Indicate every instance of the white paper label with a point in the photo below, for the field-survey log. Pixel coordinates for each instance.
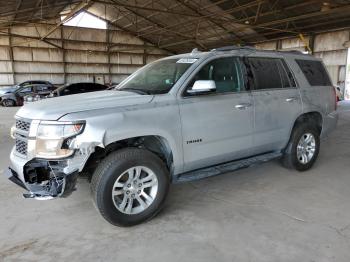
(186, 60)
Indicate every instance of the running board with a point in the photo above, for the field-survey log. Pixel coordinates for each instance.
(225, 168)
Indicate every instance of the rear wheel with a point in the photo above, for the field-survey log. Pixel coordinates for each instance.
(130, 186)
(303, 147)
(8, 102)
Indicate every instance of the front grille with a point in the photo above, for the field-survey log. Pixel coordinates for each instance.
(22, 125)
(21, 146)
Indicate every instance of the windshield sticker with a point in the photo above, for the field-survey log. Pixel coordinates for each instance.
(186, 60)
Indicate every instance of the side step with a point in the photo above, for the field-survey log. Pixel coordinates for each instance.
(225, 168)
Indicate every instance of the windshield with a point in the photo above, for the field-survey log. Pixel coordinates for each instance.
(157, 78)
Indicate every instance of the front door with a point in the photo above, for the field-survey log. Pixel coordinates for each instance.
(217, 127)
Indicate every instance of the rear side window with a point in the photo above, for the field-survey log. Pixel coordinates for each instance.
(314, 72)
(265, 72)
(286, 75)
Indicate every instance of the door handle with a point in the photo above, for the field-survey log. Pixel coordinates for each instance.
(243, 106)
(291, 99)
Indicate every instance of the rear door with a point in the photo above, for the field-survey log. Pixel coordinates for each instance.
(217, 127)
(277, 102)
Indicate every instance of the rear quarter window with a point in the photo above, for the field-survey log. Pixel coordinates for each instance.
(314, 72)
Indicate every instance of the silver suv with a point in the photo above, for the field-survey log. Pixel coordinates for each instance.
(181, 118)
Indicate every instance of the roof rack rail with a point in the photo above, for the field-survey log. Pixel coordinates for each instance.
(233, 47)
(291, 51)
(195, 51)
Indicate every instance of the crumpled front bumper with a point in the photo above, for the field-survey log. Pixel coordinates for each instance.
(43, 179)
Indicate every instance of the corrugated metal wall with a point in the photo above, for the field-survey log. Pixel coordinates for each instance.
(328, 46)
(74, 55)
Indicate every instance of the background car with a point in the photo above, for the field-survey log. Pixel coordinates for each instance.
(69, 89)
(7, 90)
(15, 95)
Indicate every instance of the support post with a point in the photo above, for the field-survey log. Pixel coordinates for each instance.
(13, 71)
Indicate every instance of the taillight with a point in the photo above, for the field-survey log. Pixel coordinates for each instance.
(335, 98)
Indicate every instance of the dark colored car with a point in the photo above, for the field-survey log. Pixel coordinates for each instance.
(78, 88)
(15, 96)
(69, 89)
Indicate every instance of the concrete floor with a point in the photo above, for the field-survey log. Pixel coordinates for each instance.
(264, 213)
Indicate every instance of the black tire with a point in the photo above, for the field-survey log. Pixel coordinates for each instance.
(290, 159)
(8, 102)
(111, 168)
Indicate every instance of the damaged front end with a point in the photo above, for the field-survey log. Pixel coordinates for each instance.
(45, 179)
(48, 157)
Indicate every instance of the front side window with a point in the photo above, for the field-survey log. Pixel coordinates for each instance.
(26, 90)
(158, 77)
(225, 72)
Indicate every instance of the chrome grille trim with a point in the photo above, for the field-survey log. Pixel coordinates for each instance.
(22, 125)
(21, 146)
(22, 134)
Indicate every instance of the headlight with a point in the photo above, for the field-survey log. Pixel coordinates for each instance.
(52, 136)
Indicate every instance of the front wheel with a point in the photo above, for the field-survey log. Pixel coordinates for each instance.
(303, 147)
(130, 186)
(8, 102)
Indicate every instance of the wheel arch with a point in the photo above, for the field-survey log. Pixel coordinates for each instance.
(157, 144)
(313, 116)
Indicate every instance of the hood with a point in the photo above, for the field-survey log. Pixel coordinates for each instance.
(5, 90)
(55, 108)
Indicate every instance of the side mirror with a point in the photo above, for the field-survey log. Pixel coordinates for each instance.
(202, 86)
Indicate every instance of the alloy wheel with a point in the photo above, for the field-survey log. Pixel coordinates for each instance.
(135, 190)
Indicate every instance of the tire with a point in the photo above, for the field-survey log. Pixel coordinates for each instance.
(294, 160)
(8, 102)
(109, 176)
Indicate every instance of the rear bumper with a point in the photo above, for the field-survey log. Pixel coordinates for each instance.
(329, 123)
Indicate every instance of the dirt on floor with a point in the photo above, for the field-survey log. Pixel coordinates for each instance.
(263, 213)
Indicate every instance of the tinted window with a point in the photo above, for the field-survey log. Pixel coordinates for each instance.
(286, 75)
(42, 88)
(73, 89)
(314, 72)
(96, 87)
(265, 72)
(226, 72)
(82, 88)
(27, 83)
(26, 90)
(39, 82)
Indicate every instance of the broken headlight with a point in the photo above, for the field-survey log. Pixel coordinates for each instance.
(51, 137)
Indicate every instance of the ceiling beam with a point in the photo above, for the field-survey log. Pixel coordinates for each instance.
(30, 37)
(342, 9)
(128, 31)
(266, 25)
(217, 15)
(72, 13)
(157, 24)
(144, 8)
(184, 3)
(33, 9)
